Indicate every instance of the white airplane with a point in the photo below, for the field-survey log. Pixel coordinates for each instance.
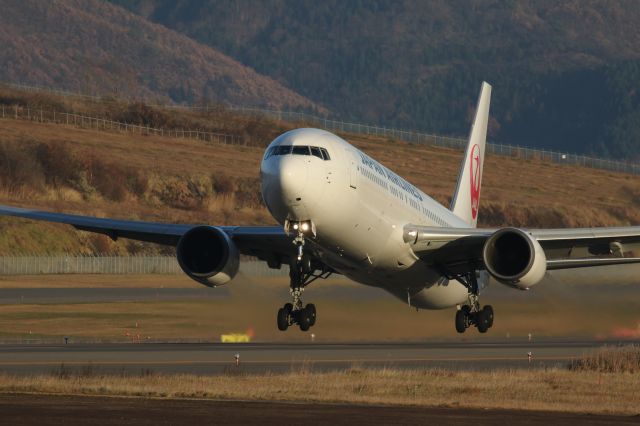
(342, 212)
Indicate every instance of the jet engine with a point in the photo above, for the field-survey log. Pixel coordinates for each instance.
(207, 255)
(514, 258)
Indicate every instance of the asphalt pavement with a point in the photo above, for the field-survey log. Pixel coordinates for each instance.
(217, 358)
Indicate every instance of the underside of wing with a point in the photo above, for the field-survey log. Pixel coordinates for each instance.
(269, 243)
(160, 233)
(455, 250)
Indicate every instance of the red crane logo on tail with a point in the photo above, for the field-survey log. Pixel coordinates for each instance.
(475, 180)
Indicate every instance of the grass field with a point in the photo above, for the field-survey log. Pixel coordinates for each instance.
(97, 281)
(591, 388)
(515, 192)
(346, 312)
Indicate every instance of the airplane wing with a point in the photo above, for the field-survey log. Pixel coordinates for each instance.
(457, 249)
(264, 242)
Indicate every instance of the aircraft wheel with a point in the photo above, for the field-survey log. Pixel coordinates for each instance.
(483, 320)
(311, 309)
(283, 319)
(461, 321)
(489, 313)
(304, 319)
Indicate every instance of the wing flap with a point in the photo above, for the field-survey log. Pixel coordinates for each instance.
(589, 262)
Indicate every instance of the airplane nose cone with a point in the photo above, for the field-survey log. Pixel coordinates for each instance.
(292, 176)
(284, 180)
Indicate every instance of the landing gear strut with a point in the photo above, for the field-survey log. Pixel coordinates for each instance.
(302, 272)
(472, 314)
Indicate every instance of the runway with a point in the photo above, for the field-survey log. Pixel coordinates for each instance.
(212, 359)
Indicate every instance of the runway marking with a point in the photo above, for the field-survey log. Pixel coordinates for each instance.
(336, 361)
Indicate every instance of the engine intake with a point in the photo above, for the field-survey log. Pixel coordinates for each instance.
(514, 258)
(207, 255)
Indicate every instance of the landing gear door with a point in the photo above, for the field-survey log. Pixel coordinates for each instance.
(353, 168)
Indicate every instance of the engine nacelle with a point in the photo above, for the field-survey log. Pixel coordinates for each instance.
(514, 258)
(207, 255)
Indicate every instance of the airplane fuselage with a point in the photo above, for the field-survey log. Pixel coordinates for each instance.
(358, 209)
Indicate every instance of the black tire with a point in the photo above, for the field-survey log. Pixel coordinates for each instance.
(461, 321)
(288, 307)
(283, 319)
(489, 313)
(304, 319)
(482, 320)
(311, 308)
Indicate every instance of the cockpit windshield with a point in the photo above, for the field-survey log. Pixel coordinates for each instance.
(298, 150)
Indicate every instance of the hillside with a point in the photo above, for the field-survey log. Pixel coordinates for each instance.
(96, 47)
(124, 175)
(566, 73)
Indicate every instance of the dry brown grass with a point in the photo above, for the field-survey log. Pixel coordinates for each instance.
(556, 390)
(517, 192)
(611, 360)
(184, 180)
(97, 281)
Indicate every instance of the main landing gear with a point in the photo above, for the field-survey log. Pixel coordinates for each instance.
(472, 314)
(302, 272)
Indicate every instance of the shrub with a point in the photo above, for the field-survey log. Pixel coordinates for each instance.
(259, 131)
(248, 192)
(186, 194)
(19, 166)
(60, 165)
(136, 182)
(222, 184)
(108, 179)
(101, 244)
(144, 115)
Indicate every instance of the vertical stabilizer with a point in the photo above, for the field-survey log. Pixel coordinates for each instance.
(466, 199)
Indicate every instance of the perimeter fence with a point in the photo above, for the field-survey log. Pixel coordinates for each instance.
(415, 137)
(410, 136)
(85, 122)
(114, 265)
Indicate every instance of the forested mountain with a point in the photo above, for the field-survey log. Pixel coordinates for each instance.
(96, 47)
(566, 73)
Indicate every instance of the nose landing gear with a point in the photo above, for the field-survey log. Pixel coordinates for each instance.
(302, 272)
(297, 312)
